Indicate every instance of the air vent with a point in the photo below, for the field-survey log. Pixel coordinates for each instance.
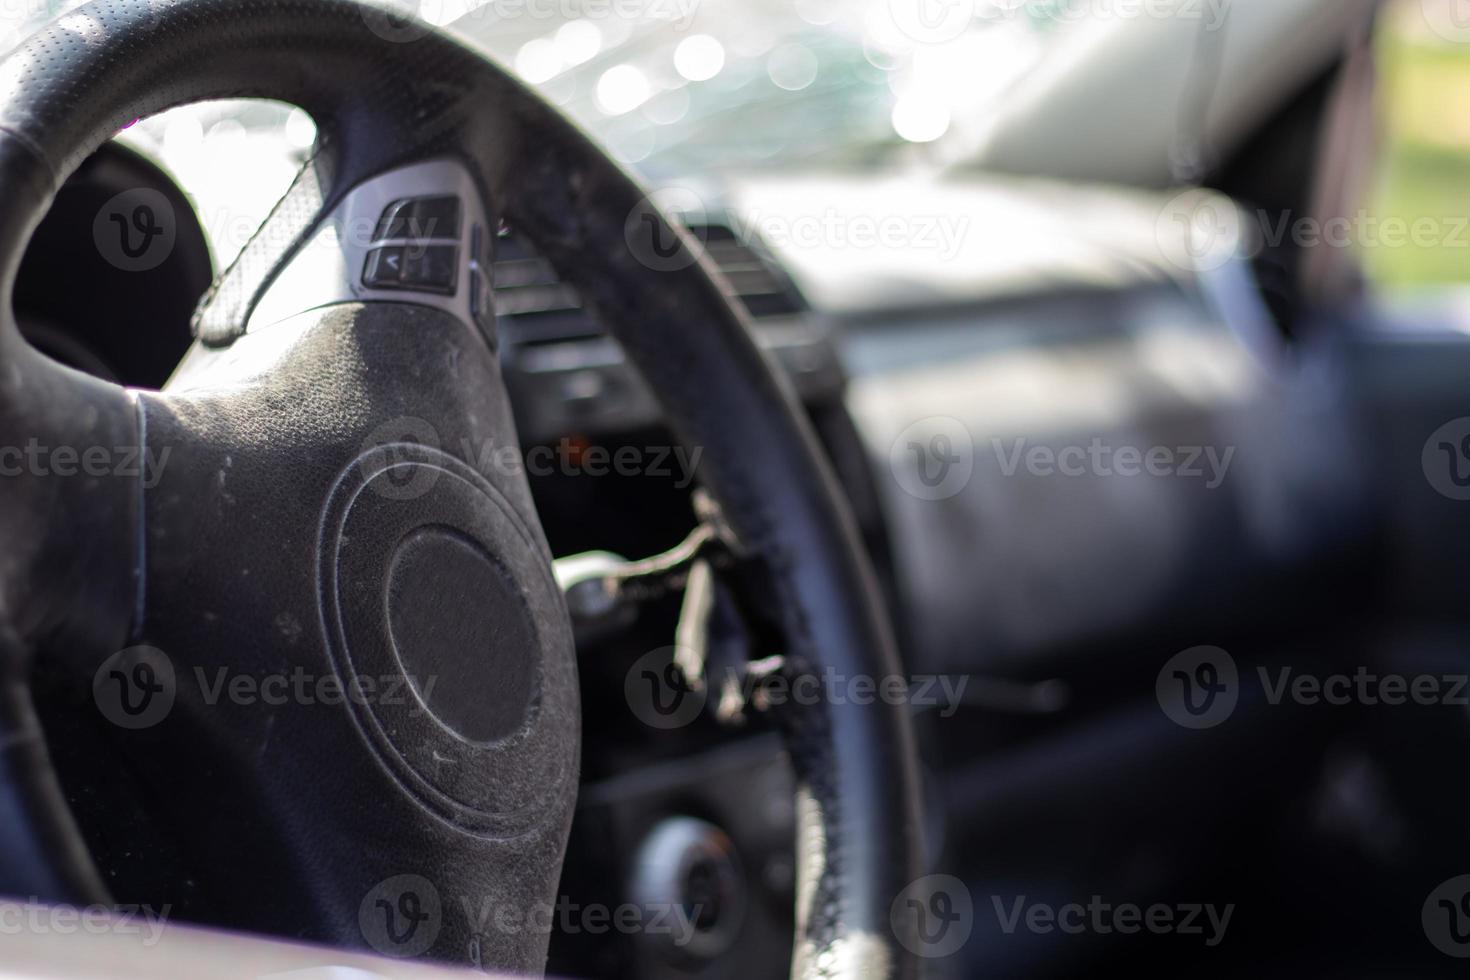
(753, 277)
(529, 295)
(525, 282)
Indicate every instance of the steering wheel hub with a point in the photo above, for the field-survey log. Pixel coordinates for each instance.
(433, 583)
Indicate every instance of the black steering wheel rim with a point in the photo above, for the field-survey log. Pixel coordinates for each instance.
(385, 97)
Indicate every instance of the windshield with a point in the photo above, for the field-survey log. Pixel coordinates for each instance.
(681, 86)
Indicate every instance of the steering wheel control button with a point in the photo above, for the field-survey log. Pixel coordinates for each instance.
(412, 235)
(434, 217)
(691, 867)
(482, 307)
(430, 267)
(420, 219)
(384, 267)
(477, 246)
(479, 294)
(394, 222)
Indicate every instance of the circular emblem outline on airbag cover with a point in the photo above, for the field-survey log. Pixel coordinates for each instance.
(492, 753)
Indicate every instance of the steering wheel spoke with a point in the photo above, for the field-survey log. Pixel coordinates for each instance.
(71, 473)
(69, 498)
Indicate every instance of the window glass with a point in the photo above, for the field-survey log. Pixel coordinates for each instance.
(1420, 195)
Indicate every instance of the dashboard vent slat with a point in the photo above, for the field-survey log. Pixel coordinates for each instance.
(526, 287)
(752, 277)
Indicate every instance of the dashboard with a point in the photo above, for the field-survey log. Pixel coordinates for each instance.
(1036, 317)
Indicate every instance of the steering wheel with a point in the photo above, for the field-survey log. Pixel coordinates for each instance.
(325, 510)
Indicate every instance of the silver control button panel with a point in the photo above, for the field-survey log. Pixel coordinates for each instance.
(419, 234)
